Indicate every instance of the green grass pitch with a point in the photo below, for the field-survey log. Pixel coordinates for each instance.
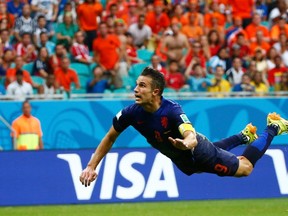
(247, 207)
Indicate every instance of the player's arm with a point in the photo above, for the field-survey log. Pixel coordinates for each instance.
(189, 140)
(88, 175)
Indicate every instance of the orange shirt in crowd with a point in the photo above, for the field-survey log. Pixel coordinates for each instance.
(276, 31)
(264, 46)
(251, 30)
(65, 79)
(242, 8)
(11, 74)
(192, 32)
(107, 50)
(209, 16)
(183, 20)
(87, 14)
(157, 24)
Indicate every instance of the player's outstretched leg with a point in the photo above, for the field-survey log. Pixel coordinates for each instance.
(246, 136)
(276, 125)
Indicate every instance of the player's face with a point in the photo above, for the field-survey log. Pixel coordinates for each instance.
(143, 91)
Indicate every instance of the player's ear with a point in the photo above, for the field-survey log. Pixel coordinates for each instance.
(156, 91)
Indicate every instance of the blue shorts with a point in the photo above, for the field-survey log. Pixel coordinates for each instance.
(212, 159)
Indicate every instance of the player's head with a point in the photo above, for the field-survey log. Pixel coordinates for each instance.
(157, 79)
(150, 85)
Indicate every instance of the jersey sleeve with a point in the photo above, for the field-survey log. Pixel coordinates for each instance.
(123, 119)
(178, 116)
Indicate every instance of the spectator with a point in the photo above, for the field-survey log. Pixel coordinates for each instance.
(24, 24)
(47, 8)
(28, 130)
(55, 59)
(98, 84)
(174, 46)
(235, 73)
(244, 49)
(4, 14)
(214, 12)
(11, 72)
(271, 54)
(243, 9)
(280, 27)
(261, 84)
(234, 31)
(282, 85)
(196, 53)
(255, 27)
(196, 78)
(79, 50)
(192, 30)
(41, 27)
(5, 41)
(262, 9)
(219, 60)
(157, 19)
(66, 31)
(44, 42)
(179, 15)
(19, 87)
(214, 41)
(86, 10)
(175, 78)
(261, 63)
(279, 10)
(155, 64)
(260, 43)
(275, 73)
(194, 9)
(26, 48)
(131, 50)
(215, 26)
(7, 59)
(141, 32)
(106, 49)
(68, 8)
(65, 76)
(48, 88)
(15, 7)
(42, 66)
(205, 46)
(245, 85)
(218, 83)
(132, 16)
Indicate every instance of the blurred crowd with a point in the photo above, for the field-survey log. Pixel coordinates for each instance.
(96, 46)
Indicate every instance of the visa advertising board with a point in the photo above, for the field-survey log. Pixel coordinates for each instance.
(129, 175)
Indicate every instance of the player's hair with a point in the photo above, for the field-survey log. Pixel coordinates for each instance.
(158, 80)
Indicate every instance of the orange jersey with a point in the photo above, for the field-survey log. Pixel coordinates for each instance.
(66, 79)
(87, 14)
(192, 32)
(106, 48)
(209, 16)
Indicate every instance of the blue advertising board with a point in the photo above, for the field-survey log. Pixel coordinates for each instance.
(77, 124)
(129, 175)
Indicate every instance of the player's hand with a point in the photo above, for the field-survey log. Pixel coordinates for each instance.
(179, 143)
(87, 176)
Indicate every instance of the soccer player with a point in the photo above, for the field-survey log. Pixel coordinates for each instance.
(166, 127)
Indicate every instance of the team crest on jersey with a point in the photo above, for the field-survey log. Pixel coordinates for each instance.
(184, 118)
(164, 121)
